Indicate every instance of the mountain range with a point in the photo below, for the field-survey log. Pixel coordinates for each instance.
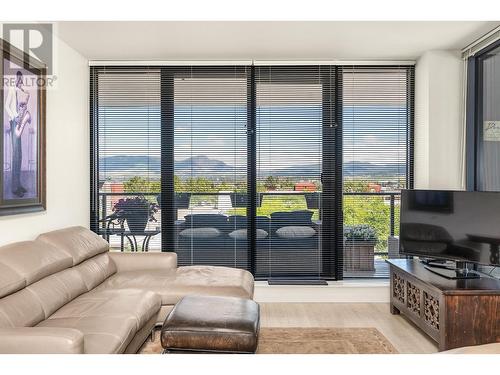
(202, 165)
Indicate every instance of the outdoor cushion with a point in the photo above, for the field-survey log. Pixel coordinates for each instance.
(206, 220)
(200, 233)
(294, 218)
(291, 232)
(237, 222)
(241, 234)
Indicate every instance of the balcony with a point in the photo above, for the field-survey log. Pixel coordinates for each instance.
(362, 259)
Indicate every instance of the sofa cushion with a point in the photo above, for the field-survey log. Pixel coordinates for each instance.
(56, 290)
(241, 234)
(172, 285)
(21, 309)
(200, 233)
(140, 304)
(32, 260)
(10, 281)
(79, 242)
(295, 232)
(109, 319)
(103, 335)
(95, 270)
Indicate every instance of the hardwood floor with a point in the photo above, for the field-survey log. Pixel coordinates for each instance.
(405, 337)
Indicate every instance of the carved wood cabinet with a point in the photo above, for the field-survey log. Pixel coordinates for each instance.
(454, 313)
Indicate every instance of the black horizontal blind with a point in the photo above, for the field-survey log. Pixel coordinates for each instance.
(209, 113)
(126, 109)
(488, 150)
(294, 107)
(377, 119)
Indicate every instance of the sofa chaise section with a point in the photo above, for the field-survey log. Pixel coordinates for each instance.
(172, 283)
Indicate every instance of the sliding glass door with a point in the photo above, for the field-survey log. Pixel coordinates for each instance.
(377, 104)
(291, 103)
(210, 165)
(125, 167)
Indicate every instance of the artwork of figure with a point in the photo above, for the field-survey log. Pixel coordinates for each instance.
(20, 142)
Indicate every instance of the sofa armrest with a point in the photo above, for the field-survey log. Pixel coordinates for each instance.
(143, 261)
(493, 348)
(41, 340)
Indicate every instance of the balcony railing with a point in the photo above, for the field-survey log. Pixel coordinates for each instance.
(380, 210)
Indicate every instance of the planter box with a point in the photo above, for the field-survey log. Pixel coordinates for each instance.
(359, 256)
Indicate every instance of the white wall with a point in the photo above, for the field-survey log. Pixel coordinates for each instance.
(438, 126)
(67, 153)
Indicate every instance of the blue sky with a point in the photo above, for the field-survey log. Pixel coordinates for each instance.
(287, 135)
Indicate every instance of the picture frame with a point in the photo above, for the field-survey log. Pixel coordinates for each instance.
(23, 132)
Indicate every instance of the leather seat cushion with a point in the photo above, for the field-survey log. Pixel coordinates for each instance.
(101, 335)
(174, 284)
(140, 304)
(109, 319)
(204, 323)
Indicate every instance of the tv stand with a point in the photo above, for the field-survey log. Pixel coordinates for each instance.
(453, 312)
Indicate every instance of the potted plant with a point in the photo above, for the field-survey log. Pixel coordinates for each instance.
(137, 212)
(359, 245)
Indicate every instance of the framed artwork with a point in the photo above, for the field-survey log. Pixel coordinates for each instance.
(22, 137)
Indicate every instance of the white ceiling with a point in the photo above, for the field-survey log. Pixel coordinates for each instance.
(266, 40)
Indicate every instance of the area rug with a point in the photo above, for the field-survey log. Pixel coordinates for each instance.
(310, 341)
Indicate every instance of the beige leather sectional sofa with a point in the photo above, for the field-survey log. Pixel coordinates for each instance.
(66, 293)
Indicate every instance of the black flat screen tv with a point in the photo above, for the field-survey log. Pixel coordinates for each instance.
(461, 226)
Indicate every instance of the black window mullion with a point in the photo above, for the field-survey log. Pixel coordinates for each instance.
(331, 250)
(251, 169)
(94, 152)
(410, 138)
(338, 233)
(167, 201)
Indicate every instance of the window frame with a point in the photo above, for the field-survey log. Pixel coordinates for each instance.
(474, 115)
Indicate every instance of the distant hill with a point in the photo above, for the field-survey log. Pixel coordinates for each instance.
(136, 164)
(202, 165)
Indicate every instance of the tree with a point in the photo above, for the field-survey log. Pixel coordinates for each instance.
(373, 211)
(271, 183)
(140, 185)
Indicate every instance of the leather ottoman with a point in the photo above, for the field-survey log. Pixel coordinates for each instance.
(212, 324)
